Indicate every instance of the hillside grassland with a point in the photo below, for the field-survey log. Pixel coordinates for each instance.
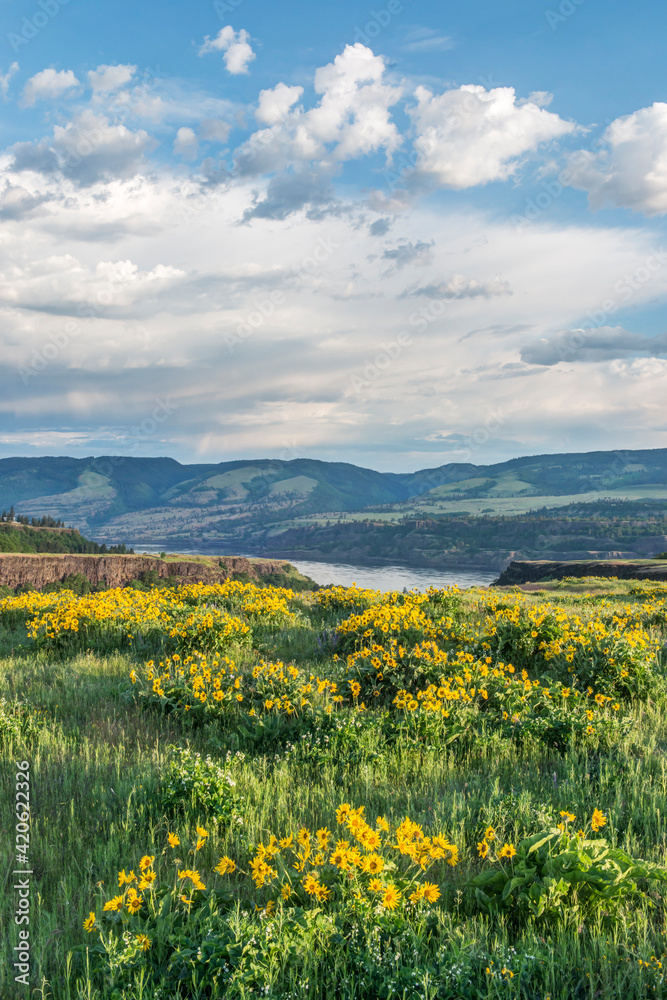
(243, 792)
(240, 505)
(437, 503)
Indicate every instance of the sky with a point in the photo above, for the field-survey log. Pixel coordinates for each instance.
(397, 235)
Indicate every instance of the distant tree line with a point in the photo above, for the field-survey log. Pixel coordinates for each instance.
(543, 534)
(29, 539)
(9, 517)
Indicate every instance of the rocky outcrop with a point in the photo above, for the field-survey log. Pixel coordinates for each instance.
(536, 571)
(118, 570)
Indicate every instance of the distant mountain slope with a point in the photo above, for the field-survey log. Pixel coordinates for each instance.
(606, 530)
(547, 475)
(159, 502)
(95, 490)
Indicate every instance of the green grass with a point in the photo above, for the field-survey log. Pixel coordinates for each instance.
(96, 770)
(433, 503)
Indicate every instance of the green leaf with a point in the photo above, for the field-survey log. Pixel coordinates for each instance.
(512, 885)
(538, 840)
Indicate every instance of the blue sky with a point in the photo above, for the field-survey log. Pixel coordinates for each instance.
(397, 235)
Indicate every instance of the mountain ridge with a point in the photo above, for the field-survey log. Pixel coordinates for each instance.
(159, 501)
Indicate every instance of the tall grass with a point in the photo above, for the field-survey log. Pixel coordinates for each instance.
(97, 763)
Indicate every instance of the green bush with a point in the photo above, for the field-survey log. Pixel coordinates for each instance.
(16, 725)
(562, 878)
(199, 786)
(76, 582)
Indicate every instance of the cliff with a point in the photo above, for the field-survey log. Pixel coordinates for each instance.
(37, 570)
(539, 571)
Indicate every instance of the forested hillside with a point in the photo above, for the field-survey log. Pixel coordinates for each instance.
(32, 540)
(621, 530)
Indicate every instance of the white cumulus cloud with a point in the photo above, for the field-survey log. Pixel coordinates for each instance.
(48, 85)
(630, 171)
(238, 53)
(472, 136)
(61, 284)
(86, 150)
(352, 118)
(106, 79)
(5, 79)
(274, 105)
(185, 144)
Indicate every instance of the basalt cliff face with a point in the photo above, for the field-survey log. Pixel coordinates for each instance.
(118, 570)
(536, 571)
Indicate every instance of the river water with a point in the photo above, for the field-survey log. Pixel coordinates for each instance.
(374, 577)
(391, 577)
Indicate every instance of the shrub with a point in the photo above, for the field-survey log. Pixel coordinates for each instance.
(177, 926)
(16, 724)
(199, 786)
(560, 877)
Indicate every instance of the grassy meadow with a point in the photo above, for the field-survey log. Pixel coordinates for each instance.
(251, 792)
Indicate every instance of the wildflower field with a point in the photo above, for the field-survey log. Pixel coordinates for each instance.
(246, 792)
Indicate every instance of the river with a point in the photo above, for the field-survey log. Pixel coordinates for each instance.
(392, 577)
(374, 577)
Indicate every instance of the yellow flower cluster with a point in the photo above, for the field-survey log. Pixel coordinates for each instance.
(406, 620)
(119, 609)
(192, 679)
(280, 688)
(396, 641)
(310, 866)
(327, 868)
(617, 637)
(501, 691)
(130, 898)
(25, 604)
(348, 598)
(189, 617)
(187, 881)
(265, 605)
(218, 684)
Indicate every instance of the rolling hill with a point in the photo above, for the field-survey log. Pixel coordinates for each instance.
(244, 505)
